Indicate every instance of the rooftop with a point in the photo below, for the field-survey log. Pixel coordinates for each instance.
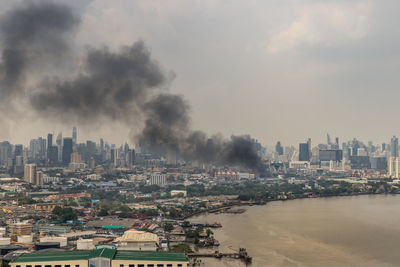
(103, 252)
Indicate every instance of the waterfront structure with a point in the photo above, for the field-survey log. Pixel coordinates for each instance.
(105, 257)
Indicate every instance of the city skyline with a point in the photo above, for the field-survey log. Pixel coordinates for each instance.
(327, 94)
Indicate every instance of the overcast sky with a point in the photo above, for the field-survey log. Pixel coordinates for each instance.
(276, 69)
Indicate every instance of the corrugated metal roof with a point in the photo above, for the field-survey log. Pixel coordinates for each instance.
(58, 256)
(105, 253)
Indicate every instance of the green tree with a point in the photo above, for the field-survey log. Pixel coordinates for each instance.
(169, 227)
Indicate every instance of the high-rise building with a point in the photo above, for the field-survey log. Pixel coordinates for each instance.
(39, 178)
(49, 146)
(67, 151)
(172, 155)
(304, 153)
(49, 141)
(76, 157)
(19, 149)
(102, 156)
(130, 158)
(394, 167)
(30, 173)
(74, 135)
(92, 163)
(114, 157)
(5, 152)
(279, 148)
(394, 146)
(59, 142)
(53, 155)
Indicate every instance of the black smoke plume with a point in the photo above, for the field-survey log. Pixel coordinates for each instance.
(111, 85)
(127, 86)
(32, 35)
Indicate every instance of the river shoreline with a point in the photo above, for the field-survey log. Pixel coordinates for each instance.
(348, 231)
(265, 202)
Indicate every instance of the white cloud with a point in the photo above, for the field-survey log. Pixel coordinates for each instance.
(324, 24)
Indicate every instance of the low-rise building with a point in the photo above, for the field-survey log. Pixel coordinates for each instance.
(104, 257)
(138, 240)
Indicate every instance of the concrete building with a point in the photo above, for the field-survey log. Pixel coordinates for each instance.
(299, 165)
(304, 152)
(394, 167)
(114, 157)
(30, 173)
(178, 192)
(39, 178)
(76, 157)
(158, 179)
(138, 241)
(63, 241)
(394, 147)
(67, 151)
(104, 257)
(20, 229)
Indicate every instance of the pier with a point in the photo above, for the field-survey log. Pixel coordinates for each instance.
(242, 255)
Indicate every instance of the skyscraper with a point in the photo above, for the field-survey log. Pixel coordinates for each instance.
(114, 157)
(304, 153)
(18, 150)
(394, 146)
(49, 141)
(53, 155)
(279, 148)
(74, 135)
(49, 145)
(67, 151)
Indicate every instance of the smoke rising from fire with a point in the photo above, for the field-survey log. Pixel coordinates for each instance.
(126, 85)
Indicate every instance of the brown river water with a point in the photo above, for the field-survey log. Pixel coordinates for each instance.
(338, 231)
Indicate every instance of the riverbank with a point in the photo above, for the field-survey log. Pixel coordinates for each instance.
(249, 203)
(362, 230)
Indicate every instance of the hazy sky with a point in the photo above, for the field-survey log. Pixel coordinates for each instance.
(276, 69)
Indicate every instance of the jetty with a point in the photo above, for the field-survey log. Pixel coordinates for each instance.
(242, 255)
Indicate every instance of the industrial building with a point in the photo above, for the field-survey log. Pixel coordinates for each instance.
(105, 257)
(138, 240)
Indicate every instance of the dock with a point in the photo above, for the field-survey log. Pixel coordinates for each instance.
(242, 255)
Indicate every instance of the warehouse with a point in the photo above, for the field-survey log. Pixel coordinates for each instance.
(104, 257)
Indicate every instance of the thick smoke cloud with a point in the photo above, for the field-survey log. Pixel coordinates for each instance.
(31, 36)
(126, 86)
(112, 85)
